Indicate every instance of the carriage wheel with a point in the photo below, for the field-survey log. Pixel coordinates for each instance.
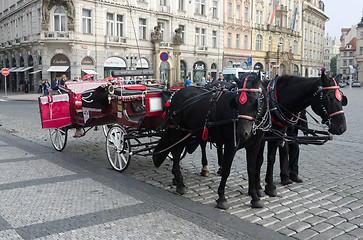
(118, 149)
(105, 129)
(58, 138)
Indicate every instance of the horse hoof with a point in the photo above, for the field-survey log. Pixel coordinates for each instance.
(181, 190)
(271, 191)
(222, 204)
(204, 173)
(257, 204)
(260, 193)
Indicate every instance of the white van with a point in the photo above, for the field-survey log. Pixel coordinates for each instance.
(237, 72)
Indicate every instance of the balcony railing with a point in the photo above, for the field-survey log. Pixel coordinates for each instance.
(116, 39)
(201, 48)
(165, 9)
(169, 45)
(57, 35)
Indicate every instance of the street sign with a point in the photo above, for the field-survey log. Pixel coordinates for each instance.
(164, 56)
(5, 71)
(249, 61)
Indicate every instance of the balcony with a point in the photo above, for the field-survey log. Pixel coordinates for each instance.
(165, 9)
(55, 35)
(116, 39)
(260, 26)
(201, 49)
(167, 45)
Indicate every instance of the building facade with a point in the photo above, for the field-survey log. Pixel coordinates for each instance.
(313, 31)
(237, 33)
(46, 39)
(331, 49)
(359, 52)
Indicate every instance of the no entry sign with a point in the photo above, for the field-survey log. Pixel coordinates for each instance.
(5, 71)
(164, 56)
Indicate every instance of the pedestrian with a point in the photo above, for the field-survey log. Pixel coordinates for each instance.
(187, 81)
(13, 84)
(208, 79)
(40, 87)
(221, 77)
(289, 154)
(203, 82)
(63, 80)
(46, 87)
(26, 85)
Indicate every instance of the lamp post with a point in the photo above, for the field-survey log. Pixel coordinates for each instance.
(131, 57)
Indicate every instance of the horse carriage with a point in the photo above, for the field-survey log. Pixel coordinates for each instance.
(129, 114)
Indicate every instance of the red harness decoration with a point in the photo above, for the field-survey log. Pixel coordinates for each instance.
(205, 134)
(338, 96)
(243, 98)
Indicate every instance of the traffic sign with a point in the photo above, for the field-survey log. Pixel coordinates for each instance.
(164, 56)
(5, 71)
(249, 61)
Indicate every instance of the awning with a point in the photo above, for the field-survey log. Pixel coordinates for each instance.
(58, 68)
(89, 71)
(22, 69)
(12, 69)
(35, 72)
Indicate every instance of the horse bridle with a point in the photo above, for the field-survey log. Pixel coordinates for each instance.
(327, 116)
(260, 100)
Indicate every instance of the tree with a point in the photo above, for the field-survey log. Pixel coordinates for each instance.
(333, 65)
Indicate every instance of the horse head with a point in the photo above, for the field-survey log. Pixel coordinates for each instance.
(328, 102)
(251, 104)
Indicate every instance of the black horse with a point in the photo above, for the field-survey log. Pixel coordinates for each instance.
(192, 109)
(289, 95)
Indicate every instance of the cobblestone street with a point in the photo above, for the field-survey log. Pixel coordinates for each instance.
(327, 205)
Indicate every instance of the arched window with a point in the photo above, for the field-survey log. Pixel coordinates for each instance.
(295, 47)
(281, 45)
(270, 44)
(59, 19)
(259, 42)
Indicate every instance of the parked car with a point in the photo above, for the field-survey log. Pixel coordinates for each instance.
(178, 85)
(342, 84)
(356, 84)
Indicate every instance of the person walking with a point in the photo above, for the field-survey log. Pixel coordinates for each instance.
(46, 88)
(13, 84)
(40, 86)
(187, 81)
(221, 77)
(26, 85)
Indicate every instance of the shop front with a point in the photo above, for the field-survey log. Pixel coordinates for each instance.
(59, 65)
(113, 63)
(88, 67)
(199, 72)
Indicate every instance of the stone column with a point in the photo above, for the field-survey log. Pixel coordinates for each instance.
(177, 41)
(156, 39)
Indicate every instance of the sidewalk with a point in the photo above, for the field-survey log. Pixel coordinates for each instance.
(19, 96)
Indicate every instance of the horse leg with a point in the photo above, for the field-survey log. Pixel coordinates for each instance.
(259, 163)
(252, 166)
(270, 188)
(178, 177)
(205, 170)
(229, 152)
(220, 157)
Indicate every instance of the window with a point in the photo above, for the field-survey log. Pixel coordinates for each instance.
(39, 19)
(142, 28)
(306, 34)
(230, 10)
(246, 42)
(295, 47)
(109, 24)
(278, 20)
(162, 29)
(361, 35)
(214, 39)
(350, 61)
(270, 44)
(246, 14)
(163, 3)
(86, 21)
(197, 36)
(30, 22)
(59, 19)
(214, 9)
(238, 12)
(182, 27)
(200, 7)
(311, 36)
(237, 41)
(181, 5)
(259, 17)
(119, 25)
(203, 37)
(229, 40)
(314, 37)
(281, 45)
(344, 71)
(259, 42)
(344, 62)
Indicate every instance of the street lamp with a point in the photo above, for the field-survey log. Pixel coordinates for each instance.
(131, 57)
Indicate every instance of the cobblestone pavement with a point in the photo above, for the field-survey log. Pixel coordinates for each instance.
(327, 205)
